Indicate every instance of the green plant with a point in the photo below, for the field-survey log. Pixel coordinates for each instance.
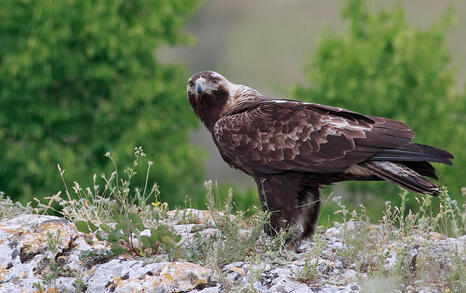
(128, 237)
(80, 78)
(79, 284)
(383, 66)
(118, 196)
(9, 208)
(232, 242)
(308, 273)
(53, 268)
(120, 213)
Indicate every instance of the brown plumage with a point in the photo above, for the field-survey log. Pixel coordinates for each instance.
(293, 148)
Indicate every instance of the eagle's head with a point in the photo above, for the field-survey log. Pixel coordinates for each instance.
(208, 86)
(212, 95)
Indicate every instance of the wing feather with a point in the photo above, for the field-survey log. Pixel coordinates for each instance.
(273, 137)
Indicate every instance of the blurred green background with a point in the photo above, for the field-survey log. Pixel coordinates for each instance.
(81, 78)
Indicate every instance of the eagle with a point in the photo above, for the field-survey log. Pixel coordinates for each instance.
(293, 148)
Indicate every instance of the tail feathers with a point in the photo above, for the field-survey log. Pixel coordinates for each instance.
(414, 152)
(423, 168)
(402, 176)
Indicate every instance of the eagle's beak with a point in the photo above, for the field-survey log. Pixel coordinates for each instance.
(200, 86)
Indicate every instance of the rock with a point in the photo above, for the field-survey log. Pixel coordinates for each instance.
(321, 266)
(24, 259)
(23, 248)
(133, 276)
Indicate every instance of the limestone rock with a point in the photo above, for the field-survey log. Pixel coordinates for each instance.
(133, 276)
(25, 258)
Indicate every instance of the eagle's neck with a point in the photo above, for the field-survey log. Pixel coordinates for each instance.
(210, 117)
(240, 97)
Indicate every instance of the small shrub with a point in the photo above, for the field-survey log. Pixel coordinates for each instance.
(53, 269)
(9, 208)
(119, 213)
(232, 242)
(79, 78)
(99, 205)
(128, 236)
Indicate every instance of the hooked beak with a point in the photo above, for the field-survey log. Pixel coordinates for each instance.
(200, 86)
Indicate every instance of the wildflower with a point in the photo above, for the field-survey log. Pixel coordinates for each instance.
(337, 199)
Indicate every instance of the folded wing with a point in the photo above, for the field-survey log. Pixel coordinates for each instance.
(279, 135)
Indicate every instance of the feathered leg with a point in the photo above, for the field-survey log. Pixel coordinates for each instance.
(310, 206)
(291, 202)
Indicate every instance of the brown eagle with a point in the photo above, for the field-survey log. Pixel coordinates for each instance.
(293, 148)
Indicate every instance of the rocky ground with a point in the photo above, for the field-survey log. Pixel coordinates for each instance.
(26, 251)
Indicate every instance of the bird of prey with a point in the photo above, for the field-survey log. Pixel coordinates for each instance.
(293, 148)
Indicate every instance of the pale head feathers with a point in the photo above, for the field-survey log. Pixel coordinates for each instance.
(218, 89)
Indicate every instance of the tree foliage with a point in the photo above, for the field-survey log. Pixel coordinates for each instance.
(383, 66)
(79, 78)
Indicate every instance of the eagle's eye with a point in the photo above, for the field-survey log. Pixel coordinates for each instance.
(191, 84)
(215, 80)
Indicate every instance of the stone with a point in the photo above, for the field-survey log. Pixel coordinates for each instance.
(25, 257)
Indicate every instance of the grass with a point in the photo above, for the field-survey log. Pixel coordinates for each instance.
(409, 237)
(52, 268)
(402, 249)
(309, 272)
(238, 237)
(8, 208)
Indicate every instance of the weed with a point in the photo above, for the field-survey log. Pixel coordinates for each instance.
(309, 271)
(78, 283)
(53, 268)
(237, 236)
(118, 197)
(8, 208)
(406, 235)
(119, 214)
(129, 236)
(231, 243)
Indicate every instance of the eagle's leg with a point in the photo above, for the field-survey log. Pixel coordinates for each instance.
(309, 203)
(291, 202)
